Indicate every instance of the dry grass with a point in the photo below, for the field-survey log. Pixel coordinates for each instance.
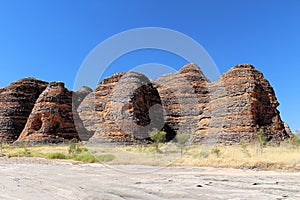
(249, 156)
(60, 152)
(252, 156)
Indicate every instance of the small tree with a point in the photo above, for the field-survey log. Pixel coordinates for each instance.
(182, 140)
(157, 137)
(261, 140)
(216, 151)
(74, 147)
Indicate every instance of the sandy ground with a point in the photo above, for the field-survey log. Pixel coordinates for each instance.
(26, 178)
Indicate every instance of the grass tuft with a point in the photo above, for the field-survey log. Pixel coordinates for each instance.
(85, 157)
(56, 155)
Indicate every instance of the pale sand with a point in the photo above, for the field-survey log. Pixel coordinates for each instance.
(26, 178)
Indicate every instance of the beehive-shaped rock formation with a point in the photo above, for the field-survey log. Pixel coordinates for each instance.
(125, 107)
(16, 103)
(52, 119)
(184, 97)
(242, 103)
(234, 108)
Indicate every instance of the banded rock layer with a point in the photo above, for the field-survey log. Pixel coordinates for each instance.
(244, 102)
(127, 106)
(123, 108)
(52, 119)
(184, 96)
(16, 103)
(234, 108)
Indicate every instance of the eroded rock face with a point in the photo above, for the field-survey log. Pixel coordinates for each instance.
(184, 96)
(243, 102)
(91, 108)
(125, 106)
(52, 119)
(16, 103)
(232, 109)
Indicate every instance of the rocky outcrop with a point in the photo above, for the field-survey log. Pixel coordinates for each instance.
(243, 102)
(16, 103)
(184, 96)
(232, 109)
(125, 107)
(52, 119)
(91, 108)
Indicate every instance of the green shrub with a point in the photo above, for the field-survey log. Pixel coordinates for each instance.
(216, 151)
(56, 155)
(73, 147)
(76, 148)
(83, 149)
(157, 137)
(25, 153)
(85, 157)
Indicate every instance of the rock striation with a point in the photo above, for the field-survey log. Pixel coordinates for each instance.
(234, 108)
(52, 119)
(125, 107)
(184, 97)
(16, 103)
(91, 108)
(244, 102)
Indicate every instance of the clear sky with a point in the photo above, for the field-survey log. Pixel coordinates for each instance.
(49, 39)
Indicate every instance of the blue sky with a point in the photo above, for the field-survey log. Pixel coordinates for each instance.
(49, 39)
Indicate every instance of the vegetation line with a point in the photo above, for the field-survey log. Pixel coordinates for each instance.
(256, 155)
